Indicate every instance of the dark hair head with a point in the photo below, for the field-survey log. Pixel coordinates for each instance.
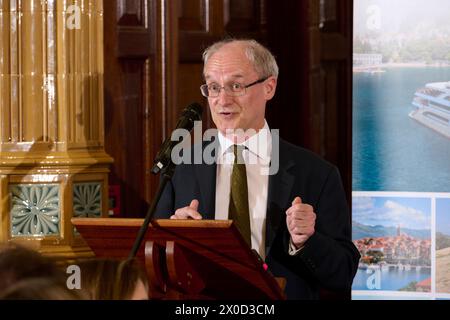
(18, 263)
(40, 289)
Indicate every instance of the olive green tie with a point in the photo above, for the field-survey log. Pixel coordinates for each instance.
(238, 210)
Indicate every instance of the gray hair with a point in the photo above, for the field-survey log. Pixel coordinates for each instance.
(262, 59)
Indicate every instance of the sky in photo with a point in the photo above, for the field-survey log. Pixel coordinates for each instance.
(443, 216)
(402, 15)
(411, 213)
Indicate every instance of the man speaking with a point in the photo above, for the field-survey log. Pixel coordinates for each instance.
(296, 217)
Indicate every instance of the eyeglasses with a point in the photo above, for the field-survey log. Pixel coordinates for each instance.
(235, 89)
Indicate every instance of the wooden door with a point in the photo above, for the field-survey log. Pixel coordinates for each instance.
(137, 95)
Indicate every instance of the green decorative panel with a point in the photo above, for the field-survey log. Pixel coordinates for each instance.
(87, 200)
(35, 210)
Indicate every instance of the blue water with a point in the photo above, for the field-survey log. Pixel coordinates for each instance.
(392, 152)
(391, 280)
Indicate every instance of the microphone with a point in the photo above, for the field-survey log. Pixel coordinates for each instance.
(189, 115)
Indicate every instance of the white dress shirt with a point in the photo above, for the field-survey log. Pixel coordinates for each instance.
(257, 155)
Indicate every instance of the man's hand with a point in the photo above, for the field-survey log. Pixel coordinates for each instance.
(188, 212)
(301, 222)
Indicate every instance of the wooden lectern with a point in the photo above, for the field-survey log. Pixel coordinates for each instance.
(186, 259)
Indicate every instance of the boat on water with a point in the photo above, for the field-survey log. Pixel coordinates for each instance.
(432, 104)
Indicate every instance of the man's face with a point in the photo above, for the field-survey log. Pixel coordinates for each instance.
(230, 65)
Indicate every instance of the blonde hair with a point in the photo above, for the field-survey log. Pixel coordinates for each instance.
(111, 279)
(261, 58)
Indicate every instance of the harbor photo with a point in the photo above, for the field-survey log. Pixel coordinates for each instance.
(393, 236)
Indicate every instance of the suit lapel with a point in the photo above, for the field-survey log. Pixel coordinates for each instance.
(280, 190)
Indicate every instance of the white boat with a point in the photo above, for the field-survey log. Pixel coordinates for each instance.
(433, 107)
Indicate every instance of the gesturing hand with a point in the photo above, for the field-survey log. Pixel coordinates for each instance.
(301, 222)
(188, 212)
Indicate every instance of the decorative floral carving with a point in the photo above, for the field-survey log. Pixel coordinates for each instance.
(87, 200)
(35, 210)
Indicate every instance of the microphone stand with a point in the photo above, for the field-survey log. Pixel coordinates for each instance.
(167, 175)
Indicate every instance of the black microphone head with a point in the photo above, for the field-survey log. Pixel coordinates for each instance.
(193, 111)
(189, 116)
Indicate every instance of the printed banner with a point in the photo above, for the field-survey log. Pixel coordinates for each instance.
(401, 149)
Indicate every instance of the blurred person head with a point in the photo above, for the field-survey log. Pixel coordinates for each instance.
(18, 264)
(40, 289)
(109, 279)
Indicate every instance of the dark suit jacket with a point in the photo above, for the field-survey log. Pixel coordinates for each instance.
(329, 259)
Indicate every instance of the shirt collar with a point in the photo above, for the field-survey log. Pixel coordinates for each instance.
(259, 144)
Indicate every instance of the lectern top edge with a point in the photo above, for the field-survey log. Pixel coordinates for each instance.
(133, 222)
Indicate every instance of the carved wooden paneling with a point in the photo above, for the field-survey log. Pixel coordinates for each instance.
(202, 22)
(134, 35)
(329, 14)
(243, 16)
(131, 13)
(194, 15)
(133, 108)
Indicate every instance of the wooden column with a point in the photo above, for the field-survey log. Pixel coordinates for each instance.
(52, 160)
